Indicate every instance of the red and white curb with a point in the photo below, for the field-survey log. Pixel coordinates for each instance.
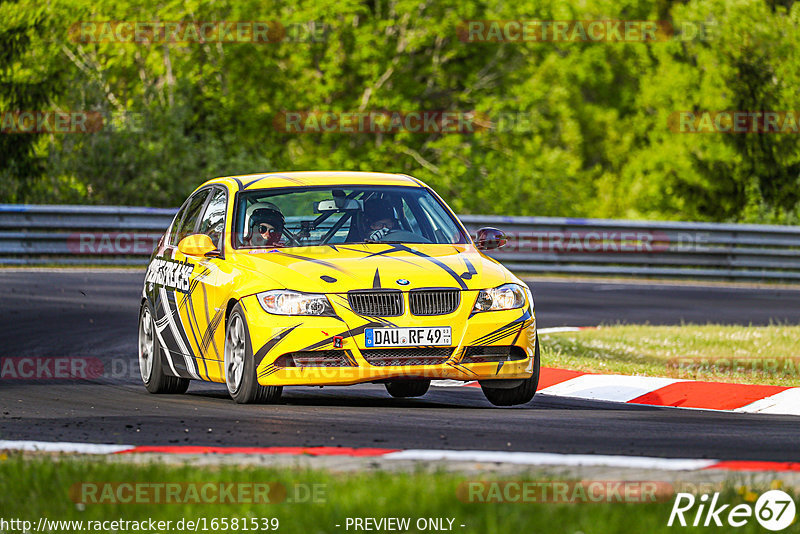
(654, 391)
(518, 458)
(670, 392)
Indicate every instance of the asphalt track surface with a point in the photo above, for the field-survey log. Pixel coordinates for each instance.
(94, 314)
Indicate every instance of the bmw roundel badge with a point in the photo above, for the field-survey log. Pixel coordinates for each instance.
(403, 281)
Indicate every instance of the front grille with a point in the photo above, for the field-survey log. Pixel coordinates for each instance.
(492, 354)
(427, 356)
(314, 358)
(433, 301)
(386, 303)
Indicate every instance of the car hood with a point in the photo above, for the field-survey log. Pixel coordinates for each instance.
(342, 268)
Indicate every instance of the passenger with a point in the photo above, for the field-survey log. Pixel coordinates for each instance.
(266, 227)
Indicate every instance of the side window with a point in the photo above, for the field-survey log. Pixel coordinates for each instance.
(189, 220)
(213, 221)
(173, 232)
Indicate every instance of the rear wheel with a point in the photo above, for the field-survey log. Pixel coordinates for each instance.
(150, 362)
(240, 366)
(408, 388)
(519, 394)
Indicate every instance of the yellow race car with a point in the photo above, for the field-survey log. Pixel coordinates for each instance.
(331, 278)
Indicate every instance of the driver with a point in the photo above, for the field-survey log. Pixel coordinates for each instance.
(378, 218)
(266, 227)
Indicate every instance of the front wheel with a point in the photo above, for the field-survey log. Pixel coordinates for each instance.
(521, 394)
(408, 388)
(240, 366)
(150, 361)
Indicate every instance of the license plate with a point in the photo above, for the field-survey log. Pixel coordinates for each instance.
(406, 337)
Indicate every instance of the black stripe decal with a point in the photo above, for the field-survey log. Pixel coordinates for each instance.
(251, 182)
(384, 322)
(213, 324)
(312, 260)
(461, 368)
(525, 324)
(403, 248)
(268, 370)
(347, 333)
(190, 315)
(208, 336)
(471, 271)
(369, 255)
(262, 352)
(501, 332)
(376, 282)
(172, 298)
(348, 354)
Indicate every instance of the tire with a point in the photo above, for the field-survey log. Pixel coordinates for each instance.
(151, 365)
(240, 366)
(408, 388)
(521, 394)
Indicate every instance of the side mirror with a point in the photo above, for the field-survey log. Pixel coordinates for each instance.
(490, 238)
(197, 245)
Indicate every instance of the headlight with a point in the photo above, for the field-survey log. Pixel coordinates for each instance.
(285, 302)
(505, 297)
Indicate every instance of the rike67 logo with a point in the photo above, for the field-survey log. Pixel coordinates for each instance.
(774, 510)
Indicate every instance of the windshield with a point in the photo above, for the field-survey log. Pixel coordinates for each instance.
(310, 216)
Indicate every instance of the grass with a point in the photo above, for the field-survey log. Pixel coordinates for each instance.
(752, 354)
(40, 487)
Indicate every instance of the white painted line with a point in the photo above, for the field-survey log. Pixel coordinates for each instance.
(450, 383)
(786, 402)
(519, 458)
(545, 458)
(614, 388)
(557, 329)
(56, 446)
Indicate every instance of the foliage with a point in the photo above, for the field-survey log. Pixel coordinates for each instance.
(591, 134)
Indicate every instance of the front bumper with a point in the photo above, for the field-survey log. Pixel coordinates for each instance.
(273, 336)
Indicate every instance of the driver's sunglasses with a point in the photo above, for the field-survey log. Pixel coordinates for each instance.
(381, 223)
(263, 229)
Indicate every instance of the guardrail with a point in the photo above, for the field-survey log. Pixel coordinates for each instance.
(35, 235)
(97, 235)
